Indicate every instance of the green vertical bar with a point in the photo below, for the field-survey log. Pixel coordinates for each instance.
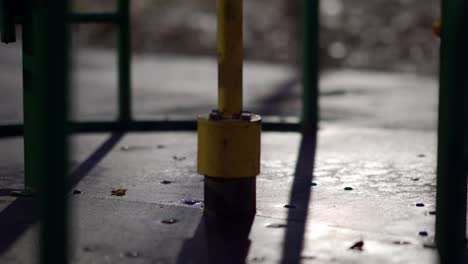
(124, 74)
(7, 21)
(29, 102)
(453, 133)
(310, 63)
(51, 82)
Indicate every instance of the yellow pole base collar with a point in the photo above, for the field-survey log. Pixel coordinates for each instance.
(229, 147)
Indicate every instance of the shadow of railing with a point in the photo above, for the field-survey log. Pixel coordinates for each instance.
(226, 240)
(218, 240)
(293, 242)
(222, 235)
(281, 93)
(19, 215)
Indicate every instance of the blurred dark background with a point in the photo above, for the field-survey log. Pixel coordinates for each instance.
(391, 35)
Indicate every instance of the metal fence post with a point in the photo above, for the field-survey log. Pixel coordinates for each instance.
(30, 103)
(124, 60)
(453, 133)
(310, 63)
(50, 75)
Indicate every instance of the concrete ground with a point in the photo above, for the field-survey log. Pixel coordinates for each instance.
(377, 137)
(183, 87)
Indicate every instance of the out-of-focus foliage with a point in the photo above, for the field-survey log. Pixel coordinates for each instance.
(376, 34)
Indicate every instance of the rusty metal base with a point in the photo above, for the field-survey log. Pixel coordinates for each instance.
(230, 197)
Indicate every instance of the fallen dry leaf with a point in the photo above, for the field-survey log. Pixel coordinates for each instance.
(118, 192)
(357, 246)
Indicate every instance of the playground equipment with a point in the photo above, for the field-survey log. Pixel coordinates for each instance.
(45, 63)
(452, 163)
(229, 138)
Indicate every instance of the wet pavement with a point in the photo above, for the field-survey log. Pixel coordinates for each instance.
(163, 222)
(351, 196)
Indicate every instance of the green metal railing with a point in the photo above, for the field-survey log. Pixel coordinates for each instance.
(310, 64)
(121, 18)
(45, 85)
(32, 94)
(45, 72)
(125, 122)
(45, 80)
(452, 163)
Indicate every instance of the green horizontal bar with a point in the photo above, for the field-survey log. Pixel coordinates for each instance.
(86, 18)
(94, 18)
(183, 125)
(11, 130)
(86, 127)
(136, 126)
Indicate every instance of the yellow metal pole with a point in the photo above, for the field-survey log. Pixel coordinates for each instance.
(230, 55)
(229, 138)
